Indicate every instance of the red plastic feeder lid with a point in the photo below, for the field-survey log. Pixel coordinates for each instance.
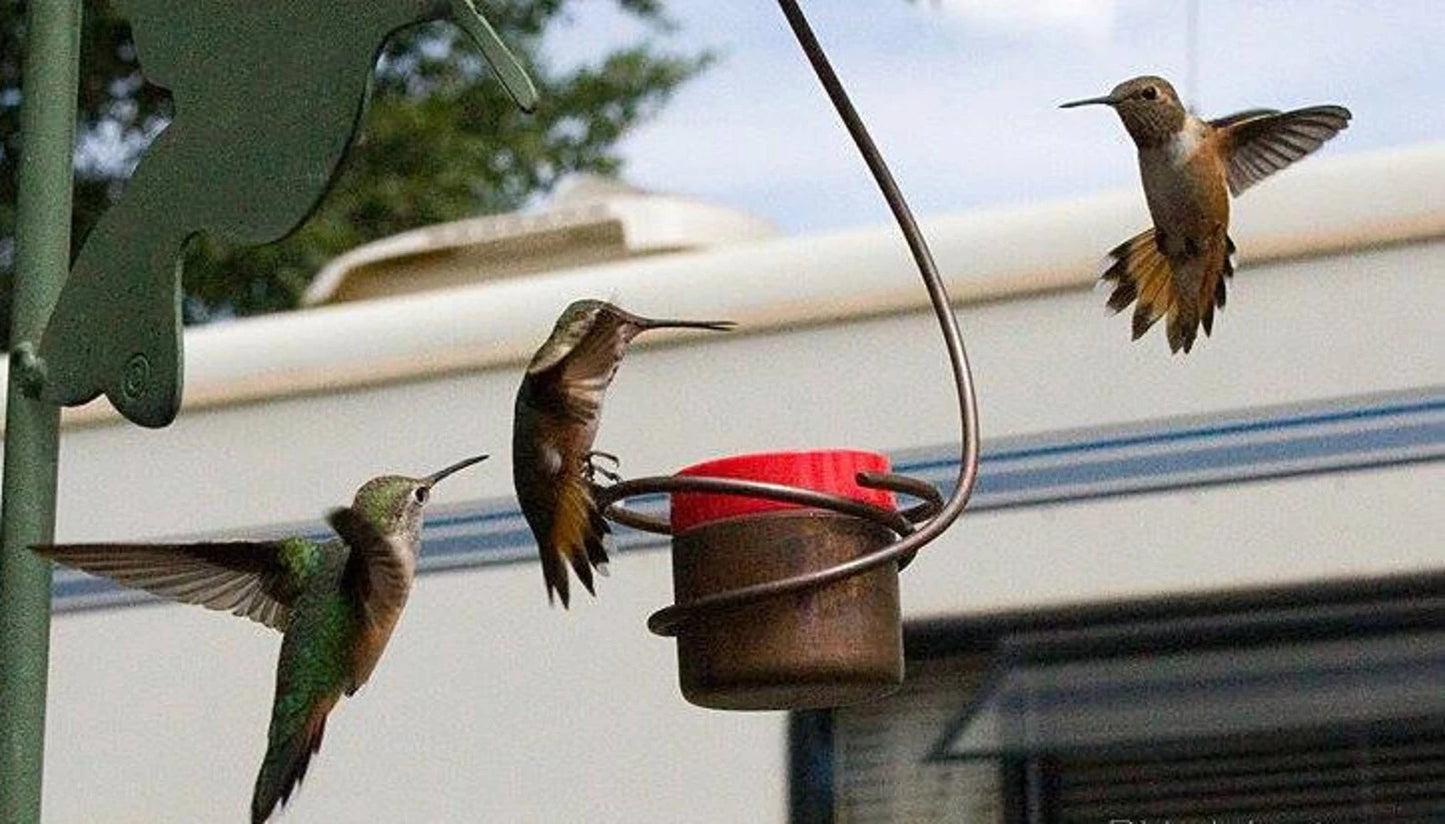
(832, 471)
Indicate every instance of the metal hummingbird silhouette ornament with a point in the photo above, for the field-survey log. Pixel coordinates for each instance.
(267, 95)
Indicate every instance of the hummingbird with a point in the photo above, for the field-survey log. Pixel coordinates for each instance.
(1190, 167)
(335, 603)
(559, 406)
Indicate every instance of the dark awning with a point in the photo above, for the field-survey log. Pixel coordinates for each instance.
(1055, 692)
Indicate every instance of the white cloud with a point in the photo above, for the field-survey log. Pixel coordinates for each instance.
(1094, 18)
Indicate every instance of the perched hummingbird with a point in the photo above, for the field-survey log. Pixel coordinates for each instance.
(559, 406)
(336, 604)
(1189, 168)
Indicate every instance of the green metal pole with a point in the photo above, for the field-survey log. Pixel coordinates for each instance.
(32, 439)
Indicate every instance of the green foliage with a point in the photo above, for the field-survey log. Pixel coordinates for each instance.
(439, 140)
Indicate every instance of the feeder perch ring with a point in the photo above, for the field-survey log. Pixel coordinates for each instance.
(669, 620)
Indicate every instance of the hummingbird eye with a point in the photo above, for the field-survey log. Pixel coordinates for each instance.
(1149, 93)
(421, 494)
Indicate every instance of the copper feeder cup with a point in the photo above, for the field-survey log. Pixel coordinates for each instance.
(785, 576)
(837, 644)
(830, 645)
(785, 565)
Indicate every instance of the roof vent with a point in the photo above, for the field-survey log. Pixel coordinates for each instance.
(590, 220)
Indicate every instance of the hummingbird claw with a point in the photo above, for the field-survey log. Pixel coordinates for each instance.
(592, 471)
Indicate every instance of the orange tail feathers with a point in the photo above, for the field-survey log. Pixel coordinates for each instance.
(1141, 273)
(575, 540)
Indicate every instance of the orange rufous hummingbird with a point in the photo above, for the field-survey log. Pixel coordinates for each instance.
(559, 406)
(336, 604)
(1190, 167)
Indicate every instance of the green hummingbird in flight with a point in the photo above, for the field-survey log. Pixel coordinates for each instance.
(558, 410)
(335, 603)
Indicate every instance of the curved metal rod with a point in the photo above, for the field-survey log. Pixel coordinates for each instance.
(926, 492)
(672, 484)
(953, 339)
(636, 520)
(922, 490)
(666, 621)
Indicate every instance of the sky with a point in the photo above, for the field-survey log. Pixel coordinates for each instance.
(962, 95)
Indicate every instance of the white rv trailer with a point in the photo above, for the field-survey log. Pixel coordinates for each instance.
(1300, 446)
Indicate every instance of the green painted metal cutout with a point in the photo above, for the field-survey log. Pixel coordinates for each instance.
(267, 95)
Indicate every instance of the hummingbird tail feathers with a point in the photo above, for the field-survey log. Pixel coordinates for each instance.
(1210, 302)
(1141, 274)
(575, 540)
(287, 758)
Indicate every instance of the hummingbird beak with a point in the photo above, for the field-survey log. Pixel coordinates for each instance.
(657, 323)
(501, 60)
(1106, 100)
(432, 479)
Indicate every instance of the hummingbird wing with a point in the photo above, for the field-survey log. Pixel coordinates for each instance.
(571, 389)
(549, 473)
(572, 386)
(375, 570)
(259, 580)
(1260, 142)
(1239, 117)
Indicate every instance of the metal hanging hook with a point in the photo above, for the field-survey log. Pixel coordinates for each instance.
(915, 527)
(927, 268)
